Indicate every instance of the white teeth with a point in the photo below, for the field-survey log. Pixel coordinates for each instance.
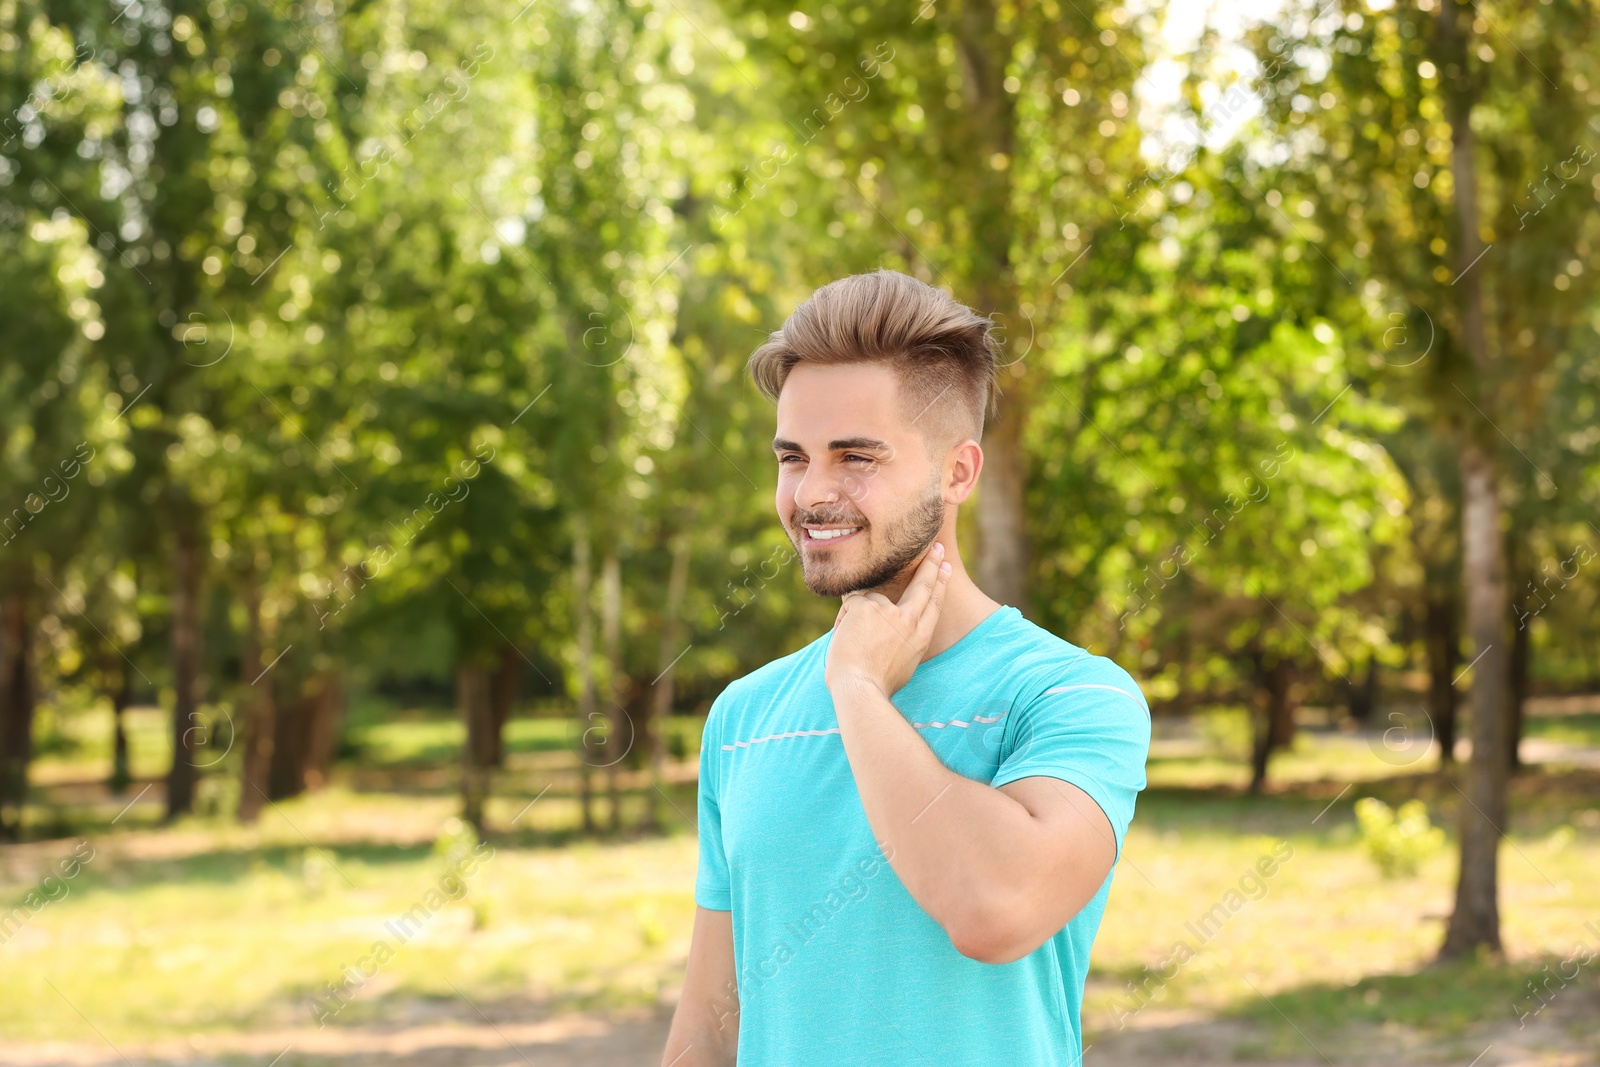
(826, 535)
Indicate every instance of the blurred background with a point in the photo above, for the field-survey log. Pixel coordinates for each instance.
(384, 501)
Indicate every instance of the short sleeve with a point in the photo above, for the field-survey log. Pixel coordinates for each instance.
(711, 886)
(1092, 730)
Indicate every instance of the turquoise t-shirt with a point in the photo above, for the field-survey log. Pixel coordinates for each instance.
(836, 962)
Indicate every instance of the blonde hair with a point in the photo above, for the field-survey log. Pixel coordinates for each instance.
(936, 345)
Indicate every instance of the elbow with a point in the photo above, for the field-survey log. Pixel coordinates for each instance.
(990, 935)
(983, 950)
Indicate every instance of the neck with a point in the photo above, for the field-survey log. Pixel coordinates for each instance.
(965, 605)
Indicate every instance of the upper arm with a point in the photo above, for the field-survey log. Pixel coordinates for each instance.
(1074, 759)
(1092, 732)
(705, 1026)
(712, 884)
(1073, 853)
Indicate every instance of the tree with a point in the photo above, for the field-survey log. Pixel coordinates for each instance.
(1431, 142)
(991, 207)
(49, 433)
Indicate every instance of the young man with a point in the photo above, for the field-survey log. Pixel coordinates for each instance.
(907, 828)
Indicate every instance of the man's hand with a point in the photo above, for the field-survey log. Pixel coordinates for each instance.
(878, 642)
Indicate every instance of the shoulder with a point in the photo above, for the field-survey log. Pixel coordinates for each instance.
(749, 700)
(1050, 666)
(785, 671)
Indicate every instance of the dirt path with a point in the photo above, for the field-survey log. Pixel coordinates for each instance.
(1157, 1039)
(1191, 1038)
(560, 1041)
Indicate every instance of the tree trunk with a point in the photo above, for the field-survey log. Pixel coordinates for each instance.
(501, 699)
(1273, 719)
(322, 727)
(306, 735)
(1475, 922)
(1002, 560)
(1476, 919)
(186, 572)
(1362, 696)
(620, 734)
(1001, 568)
(16, 710)
(258, 695)
(582, 580)
(655, 725)
(1443, 643)
(1521, 569)
(286, 766)
(1521, 666)
(473, 684)
(121, 698)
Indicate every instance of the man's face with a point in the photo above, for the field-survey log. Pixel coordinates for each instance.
(858, 493)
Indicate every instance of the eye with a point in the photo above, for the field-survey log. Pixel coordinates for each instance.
(854, 457)
(786, 457)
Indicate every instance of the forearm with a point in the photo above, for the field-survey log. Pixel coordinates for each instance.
(697, 1042)
(705, 1026)
(964, 851)
(704, 1033)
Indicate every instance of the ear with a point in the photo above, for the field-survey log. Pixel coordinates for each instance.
(962, 465)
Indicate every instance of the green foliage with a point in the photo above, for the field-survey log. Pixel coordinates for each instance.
(677, 745)
(388, 305)
(1225, 731)
(1397, 842)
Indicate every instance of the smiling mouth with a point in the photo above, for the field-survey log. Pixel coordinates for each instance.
(829, 535)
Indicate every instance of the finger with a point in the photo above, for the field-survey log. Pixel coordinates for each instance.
(849, 600)
(877, 599)
(887, 611)
(930, 616)
(903, 627)
(915, 599)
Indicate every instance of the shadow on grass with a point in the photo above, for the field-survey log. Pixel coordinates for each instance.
(1446, 1013)
(1580, 729)
(227, 866)
(224, 864)
(1541, 798)
(675, 808)
(1439, 1002)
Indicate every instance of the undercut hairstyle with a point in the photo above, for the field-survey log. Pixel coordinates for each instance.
(943, 353)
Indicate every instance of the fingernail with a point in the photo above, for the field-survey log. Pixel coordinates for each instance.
(938, 548)
(944, 568)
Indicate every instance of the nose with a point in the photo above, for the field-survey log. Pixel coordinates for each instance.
(817, 488)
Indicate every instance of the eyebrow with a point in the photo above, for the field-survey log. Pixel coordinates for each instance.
(863, 444)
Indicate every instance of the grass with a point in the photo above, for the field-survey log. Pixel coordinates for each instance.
(1581, 729)
(205, 926)
(431, 741)
(376, 737)
(1325, 929)
(208, 926)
